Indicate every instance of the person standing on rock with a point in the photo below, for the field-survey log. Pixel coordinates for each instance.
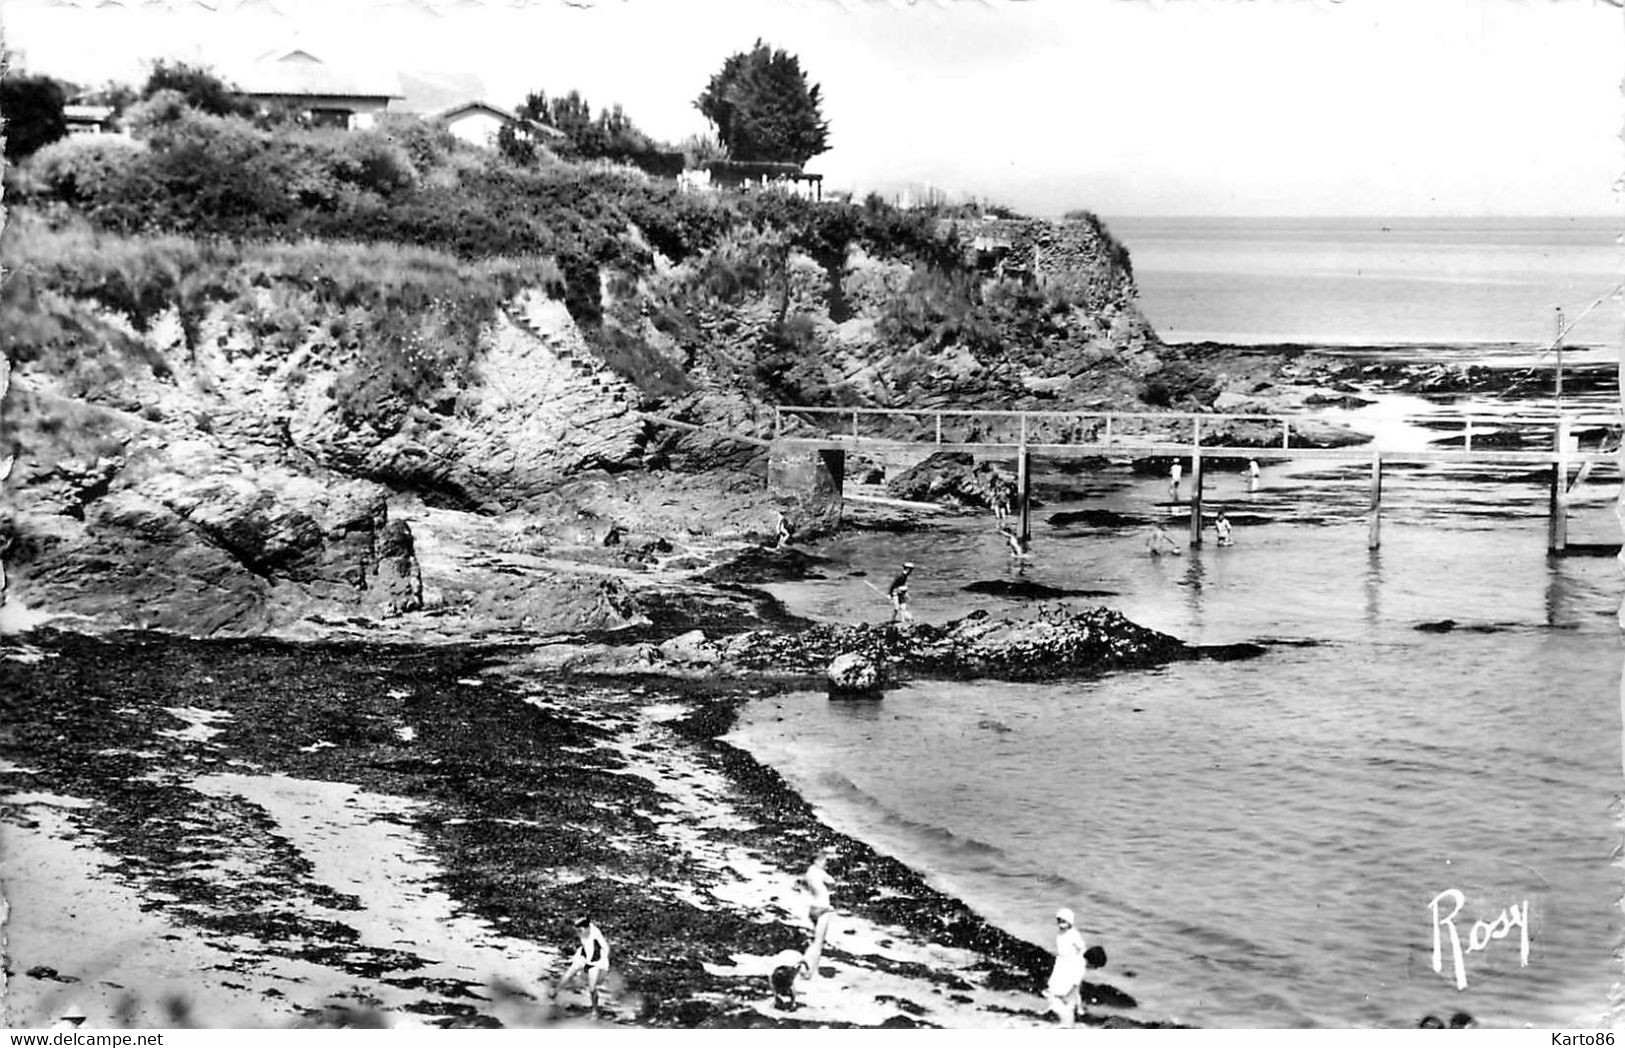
(591, 956)
(1175, 472)
(898, 592)
(820, 909)
(1065, 990)
(787, 533)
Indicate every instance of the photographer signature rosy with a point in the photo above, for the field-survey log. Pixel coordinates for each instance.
(1479, 936)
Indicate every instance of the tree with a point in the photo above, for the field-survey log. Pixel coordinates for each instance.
(32, 108)
(762, 108)
(202, 90)
(611, 135)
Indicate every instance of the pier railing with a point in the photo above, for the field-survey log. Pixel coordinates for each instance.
(1518, 437)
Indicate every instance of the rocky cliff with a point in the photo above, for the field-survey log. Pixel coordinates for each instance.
(204, 468)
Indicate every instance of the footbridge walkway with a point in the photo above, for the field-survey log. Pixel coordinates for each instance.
(1568, 444)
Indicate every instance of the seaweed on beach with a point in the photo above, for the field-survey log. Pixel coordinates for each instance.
(519, 787)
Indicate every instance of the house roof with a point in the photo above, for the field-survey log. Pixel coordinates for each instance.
(299, 73)
(426, 91)
(76, 114)
(452, 112)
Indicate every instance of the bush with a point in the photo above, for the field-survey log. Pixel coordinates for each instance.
(789, 364)
(642, 365)
(370, 162)
(77, 170)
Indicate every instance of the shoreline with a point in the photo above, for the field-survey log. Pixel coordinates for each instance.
(684, 844)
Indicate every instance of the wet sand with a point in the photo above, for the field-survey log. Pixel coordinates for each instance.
(269, 833)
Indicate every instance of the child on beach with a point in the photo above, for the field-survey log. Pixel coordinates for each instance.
(1221, 527)
(591, 956)
(1159, 543)
(1065, 990)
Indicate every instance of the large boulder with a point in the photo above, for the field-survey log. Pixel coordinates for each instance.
(853, 673)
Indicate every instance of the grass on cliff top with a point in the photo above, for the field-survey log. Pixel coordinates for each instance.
(401, 324)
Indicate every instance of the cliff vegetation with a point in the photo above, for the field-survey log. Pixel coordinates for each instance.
(205, 315)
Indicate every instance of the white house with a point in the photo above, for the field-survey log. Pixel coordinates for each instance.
(88, 120)
(479, 122)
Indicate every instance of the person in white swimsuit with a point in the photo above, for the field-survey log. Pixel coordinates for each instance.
(1065, 990)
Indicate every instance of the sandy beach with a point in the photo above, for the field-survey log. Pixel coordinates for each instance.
(263, 833)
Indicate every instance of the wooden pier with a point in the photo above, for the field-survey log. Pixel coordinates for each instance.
(1544, 440)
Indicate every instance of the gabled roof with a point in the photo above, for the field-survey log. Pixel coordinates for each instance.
(296, 72)
(452, 112)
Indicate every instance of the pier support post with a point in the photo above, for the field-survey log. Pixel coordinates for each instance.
(1196, 483)
(1024, 483)
(808, 484)
(1373, 537)
(1557, 528)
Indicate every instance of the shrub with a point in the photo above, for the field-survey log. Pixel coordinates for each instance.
(789, 364)
(77, 169)
(641, 364)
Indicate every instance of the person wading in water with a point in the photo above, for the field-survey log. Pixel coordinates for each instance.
(898, 592)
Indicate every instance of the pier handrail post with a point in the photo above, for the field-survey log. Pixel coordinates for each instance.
(1024, 484)
(1557, 530)
(1106, 438)
(1196, 481)
(1467, 438)
(778, 421)
(1286, 433)
(939, 427)
(1374, 525)
(854, 427)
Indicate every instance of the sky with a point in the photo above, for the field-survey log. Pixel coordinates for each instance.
(1125, 107)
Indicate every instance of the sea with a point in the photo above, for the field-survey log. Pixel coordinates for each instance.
(1411, 803)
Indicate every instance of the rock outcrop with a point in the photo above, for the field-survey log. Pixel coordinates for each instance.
(953, 477)
(536, 412)
(210, 551)
(1056, 645)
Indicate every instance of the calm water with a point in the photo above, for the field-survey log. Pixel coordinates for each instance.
(1258, 843)
(1353, 281)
